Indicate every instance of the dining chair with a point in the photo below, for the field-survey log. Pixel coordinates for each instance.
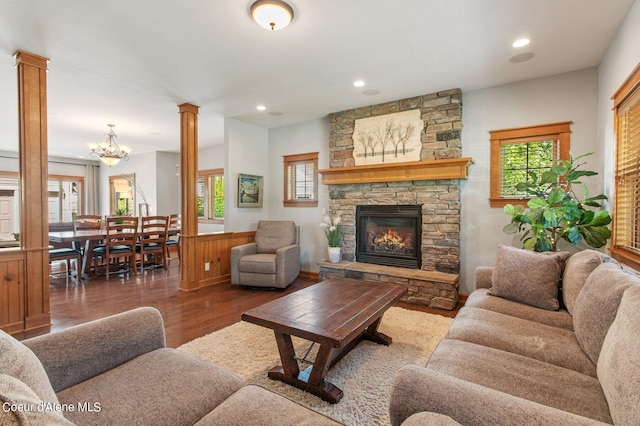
(173, 238)
(152, 240)
(66, 254)
(120, 243)
(86, 222)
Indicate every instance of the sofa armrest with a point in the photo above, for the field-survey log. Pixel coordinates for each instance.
(418, 389)
(236, 253)
(76, 354)
(287, 263)
(483, 276)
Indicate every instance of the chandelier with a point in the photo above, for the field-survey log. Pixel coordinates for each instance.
(109, 151)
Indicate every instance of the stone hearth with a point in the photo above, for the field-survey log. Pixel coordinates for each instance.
(433, 289)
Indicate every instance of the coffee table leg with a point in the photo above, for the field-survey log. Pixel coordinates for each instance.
(314, 382)
(375, 336)
(287, 355)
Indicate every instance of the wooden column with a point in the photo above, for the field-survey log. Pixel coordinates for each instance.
(188, 178)
(32, 118)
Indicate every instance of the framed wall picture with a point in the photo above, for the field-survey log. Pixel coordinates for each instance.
(250, 190)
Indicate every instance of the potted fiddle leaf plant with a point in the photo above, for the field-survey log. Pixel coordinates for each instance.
(556, 212)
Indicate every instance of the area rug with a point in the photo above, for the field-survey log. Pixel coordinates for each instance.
(365, 374)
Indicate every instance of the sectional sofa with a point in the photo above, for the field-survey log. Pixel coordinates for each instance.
(514, 356)
(117, 371)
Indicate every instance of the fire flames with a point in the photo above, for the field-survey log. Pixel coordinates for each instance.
(389, 239)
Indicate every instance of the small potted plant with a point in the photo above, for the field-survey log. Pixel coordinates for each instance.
(556, 212)
(332, 226)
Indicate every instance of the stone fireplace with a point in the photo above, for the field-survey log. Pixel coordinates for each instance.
(431, 186)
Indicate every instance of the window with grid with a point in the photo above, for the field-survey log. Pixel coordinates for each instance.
(626, 217)
(210, 195)
(517, 152)
(301, 180)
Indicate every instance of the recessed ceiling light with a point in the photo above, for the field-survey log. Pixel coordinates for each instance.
(261, 107)
(370, 92)
(521, 42)
(275, 113)
(358, 83)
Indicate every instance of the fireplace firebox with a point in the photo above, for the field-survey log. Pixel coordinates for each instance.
(389, 235)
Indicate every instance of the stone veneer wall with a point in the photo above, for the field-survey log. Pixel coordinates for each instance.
(440, 199)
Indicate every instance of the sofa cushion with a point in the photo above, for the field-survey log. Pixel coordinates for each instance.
(527, 338)
(482, 299)
(528, 277)
(597, 304)
(521, 376)
(258, 263)
(165, 386)
(254, 405)
(271, 235)
(19, 361)
(618, 366)
(576, 271)
(21, 406)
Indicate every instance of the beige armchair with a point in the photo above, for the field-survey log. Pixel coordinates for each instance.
(273, 260)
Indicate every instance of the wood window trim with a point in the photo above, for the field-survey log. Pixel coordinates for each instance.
(205, 173)
(627, 90)
(288, 160)
(560, 131)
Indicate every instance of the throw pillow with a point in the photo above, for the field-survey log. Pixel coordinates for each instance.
(19, 361)
(578, 268)
(528, 277)
(21, 405)
(597, 305)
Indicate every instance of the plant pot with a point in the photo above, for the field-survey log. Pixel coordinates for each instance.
(334, 254)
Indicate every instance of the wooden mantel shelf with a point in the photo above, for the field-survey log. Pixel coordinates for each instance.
(451, 168)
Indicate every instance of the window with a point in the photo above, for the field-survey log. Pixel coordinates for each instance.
(626, 208)
(210, 196)
(65, 198)
(301, 180)
(516, 152)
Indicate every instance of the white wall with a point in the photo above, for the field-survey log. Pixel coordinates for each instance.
(212, 157)
(622, 57)
(311, 136)
(247, 151)
(168, 183)
(565, 97)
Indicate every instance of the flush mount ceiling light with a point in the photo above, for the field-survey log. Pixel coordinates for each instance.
(271, 14)
(109, 151)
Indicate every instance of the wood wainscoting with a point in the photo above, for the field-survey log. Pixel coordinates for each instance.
(214, 255)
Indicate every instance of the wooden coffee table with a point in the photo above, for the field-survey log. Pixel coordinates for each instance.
(336, 313)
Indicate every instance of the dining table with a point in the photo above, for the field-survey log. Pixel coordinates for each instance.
(85, 237)
(77, 238)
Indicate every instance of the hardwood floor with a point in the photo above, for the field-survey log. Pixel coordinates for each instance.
(187, 315)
